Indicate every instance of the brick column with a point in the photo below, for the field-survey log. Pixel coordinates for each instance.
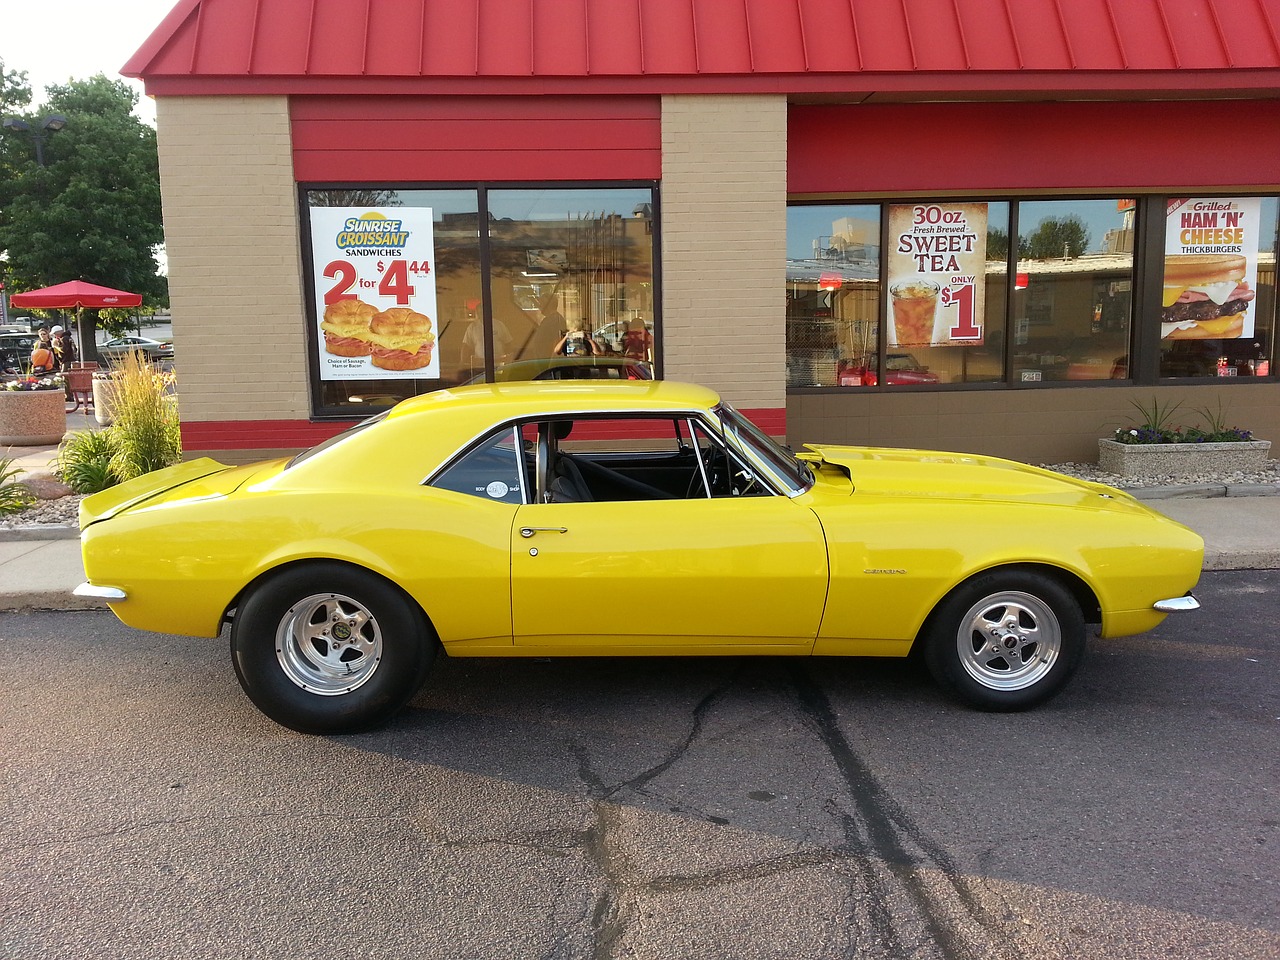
(234, 249)
(724, 236)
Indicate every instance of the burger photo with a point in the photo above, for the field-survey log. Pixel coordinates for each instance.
(401, 338)
(1205, 296)
(346, 328)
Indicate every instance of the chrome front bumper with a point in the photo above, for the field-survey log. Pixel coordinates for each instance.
(1177, 604)
(110, 594)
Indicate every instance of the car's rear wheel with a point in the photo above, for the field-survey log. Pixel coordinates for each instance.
(1006, 640)
(328, 648)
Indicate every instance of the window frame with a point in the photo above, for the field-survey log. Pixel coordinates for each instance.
(1144, 332)
(481, 189)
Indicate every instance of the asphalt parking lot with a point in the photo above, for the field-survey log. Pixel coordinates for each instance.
(647, 808)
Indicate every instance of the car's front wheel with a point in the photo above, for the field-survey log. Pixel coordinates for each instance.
(327, 648)
(1006, 640)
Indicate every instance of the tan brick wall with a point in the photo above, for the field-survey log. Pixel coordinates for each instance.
(724, 239)
(1044, 425)
(235, 271)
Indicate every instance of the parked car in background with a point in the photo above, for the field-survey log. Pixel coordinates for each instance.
(15, 352)
(571, 368)
(899, 368)
(153, 350)
(591, 519)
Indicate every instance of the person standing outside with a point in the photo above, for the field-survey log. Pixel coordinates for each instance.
(43, 359)
(64, 348)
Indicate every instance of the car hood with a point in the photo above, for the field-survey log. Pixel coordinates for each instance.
(894, 472)
(203, 478)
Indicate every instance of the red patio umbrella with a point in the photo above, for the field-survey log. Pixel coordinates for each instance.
(78, 294)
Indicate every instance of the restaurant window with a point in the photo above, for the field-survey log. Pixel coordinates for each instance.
(409, 294)
(1218, 287)
(571, 275)
(1073, 290)
(945, 267)
(931, 293)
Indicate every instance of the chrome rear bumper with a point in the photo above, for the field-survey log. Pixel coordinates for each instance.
(110, 594)
(1176, 604)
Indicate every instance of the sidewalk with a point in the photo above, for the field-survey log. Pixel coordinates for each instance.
(39, 567)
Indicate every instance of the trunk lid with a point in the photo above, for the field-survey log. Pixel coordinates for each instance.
(203, 477)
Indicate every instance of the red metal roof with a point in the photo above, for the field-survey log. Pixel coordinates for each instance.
(903, 47)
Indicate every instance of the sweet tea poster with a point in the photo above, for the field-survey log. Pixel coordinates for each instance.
(937, 274)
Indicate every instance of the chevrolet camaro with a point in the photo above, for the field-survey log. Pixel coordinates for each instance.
(464, 522)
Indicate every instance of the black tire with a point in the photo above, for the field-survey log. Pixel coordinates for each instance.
(1006, 640)
(329, 648)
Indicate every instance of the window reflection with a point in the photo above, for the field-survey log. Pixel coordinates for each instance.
(570, 280)
(1073, 293)
(833, 295)
(834, 305)
(571, 273)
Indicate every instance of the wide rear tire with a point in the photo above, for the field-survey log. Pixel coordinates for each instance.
(329, 648)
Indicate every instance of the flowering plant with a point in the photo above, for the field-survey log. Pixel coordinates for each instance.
(36, 383)
(1156, 426)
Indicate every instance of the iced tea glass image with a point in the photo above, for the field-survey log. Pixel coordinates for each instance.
(915, 302)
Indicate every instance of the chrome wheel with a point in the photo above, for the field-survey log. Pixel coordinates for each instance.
(329, 644)
(1009, 641)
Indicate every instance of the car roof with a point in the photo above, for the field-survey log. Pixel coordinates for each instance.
(436, 425)
(564, 396)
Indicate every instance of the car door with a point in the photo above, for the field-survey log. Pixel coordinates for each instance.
(664, 565)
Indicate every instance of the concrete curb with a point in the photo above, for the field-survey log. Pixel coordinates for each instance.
(1204, 490)
(1242, 560)
(40, 531)
(48, 600)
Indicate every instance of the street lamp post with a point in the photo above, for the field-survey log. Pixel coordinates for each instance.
(49, 125)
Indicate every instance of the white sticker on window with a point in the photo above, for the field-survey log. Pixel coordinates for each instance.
(497, 489)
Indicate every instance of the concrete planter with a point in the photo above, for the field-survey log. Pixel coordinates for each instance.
(104, 395)
(1181, 459)
(32, 418)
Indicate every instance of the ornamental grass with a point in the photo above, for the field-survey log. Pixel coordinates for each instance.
(144, 431)
(14, 495)
(144, 434)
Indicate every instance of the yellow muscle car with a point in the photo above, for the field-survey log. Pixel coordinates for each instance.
(586, 518)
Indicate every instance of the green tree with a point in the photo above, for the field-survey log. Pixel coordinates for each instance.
(92, 212)
(1055, 238)
(15, 92)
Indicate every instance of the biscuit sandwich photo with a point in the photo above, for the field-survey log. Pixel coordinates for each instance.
(1206, 296)
(402, 339)
(346, 328)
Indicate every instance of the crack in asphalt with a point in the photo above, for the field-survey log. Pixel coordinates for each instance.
(888, 833)
(886, 860)
(609, 917)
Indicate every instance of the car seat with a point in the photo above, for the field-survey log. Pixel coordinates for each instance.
(566, 483)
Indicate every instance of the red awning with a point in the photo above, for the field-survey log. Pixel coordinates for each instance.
(75, 293)
(834, 47)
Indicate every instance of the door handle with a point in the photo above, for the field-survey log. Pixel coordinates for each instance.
(527, 532)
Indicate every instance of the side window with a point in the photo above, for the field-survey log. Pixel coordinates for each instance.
(639, 458)
(494, 470)
(725, 474)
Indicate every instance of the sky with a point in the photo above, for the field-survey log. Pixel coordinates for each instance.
(59, 40)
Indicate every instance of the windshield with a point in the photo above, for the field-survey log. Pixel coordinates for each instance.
(794, 473)
(336, 439)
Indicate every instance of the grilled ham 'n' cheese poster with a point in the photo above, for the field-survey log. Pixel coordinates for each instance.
(1210, 268)
(375, 292)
